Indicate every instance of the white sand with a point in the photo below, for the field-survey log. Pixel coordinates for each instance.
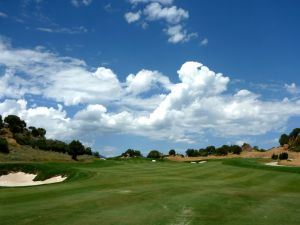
(20, 179)
(273, 164)
(202, 162)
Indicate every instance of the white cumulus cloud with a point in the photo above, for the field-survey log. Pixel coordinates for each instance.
(165, 11)
(173, 15)
(292, 88)
(132, 17)
(146, 104)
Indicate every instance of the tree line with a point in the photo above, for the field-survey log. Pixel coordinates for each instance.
(35, 137)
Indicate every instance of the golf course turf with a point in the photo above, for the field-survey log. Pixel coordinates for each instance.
(141, 192)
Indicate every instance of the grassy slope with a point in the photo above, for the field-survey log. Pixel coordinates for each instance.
(221, 192)
(22, 153)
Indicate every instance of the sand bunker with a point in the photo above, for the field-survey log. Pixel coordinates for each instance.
(273, 164)
(20, 179)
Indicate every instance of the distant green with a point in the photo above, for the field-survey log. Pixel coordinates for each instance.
(141, 192)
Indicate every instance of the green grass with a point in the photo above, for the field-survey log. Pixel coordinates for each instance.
(134, 192)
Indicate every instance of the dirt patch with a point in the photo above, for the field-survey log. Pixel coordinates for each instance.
(20, 179)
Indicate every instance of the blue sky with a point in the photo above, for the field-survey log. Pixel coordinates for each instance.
(133, 73)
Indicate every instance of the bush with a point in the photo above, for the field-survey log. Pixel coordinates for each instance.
(283, 156)
(295, 148)
(222, 150)
(4, 145)
(274, 156)
(16, 125)
(192, 152)
(172, 152)
(284, 139)
(1, 122)
(235, 149)
(23, 139)
(132, 153)
(154, 154)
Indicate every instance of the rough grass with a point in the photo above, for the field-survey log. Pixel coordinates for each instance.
(219, 192)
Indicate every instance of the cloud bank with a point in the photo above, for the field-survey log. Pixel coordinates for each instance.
(146, 104)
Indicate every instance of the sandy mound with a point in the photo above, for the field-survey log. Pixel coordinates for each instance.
(20, 179)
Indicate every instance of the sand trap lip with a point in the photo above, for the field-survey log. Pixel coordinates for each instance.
(21, 179)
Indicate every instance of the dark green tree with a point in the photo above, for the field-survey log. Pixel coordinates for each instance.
(283, 156)
(96, 154)
(223, 150)
(16, 125)
(154, 154)
(211, 150)
(235, 149)
(37, 132)
(192, 152)
(284, 139)
(75, 149)
(88, 151)
(3, 145)
(132, 153)
(172, 152)
(295, 133)
(1, 122)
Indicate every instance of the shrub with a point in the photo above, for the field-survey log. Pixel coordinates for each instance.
(283, 156)
(235, 149)
(172, 152)
(4, 145)
(16, 125)
(284, 139)
(132, 153)
(1, 122)
(274, 156)
(295, 148)
(192, 152)
(154, 154)
(22, 138)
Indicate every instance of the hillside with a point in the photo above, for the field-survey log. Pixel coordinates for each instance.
(294, 157)
(23, 153)
(22, 144)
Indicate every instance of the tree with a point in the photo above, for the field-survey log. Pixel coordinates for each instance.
(75, 149)
(223, 150)
(172, 152)
(154, 154)
(284, 139)
(88, 151)
(211, 150)
(96, 154)
(41, 132)
(37, 132)
(132, 153)
(16, 125)
(1, 122)
(235, 149)
(192, 152)
(4, 145)
(295, 133)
